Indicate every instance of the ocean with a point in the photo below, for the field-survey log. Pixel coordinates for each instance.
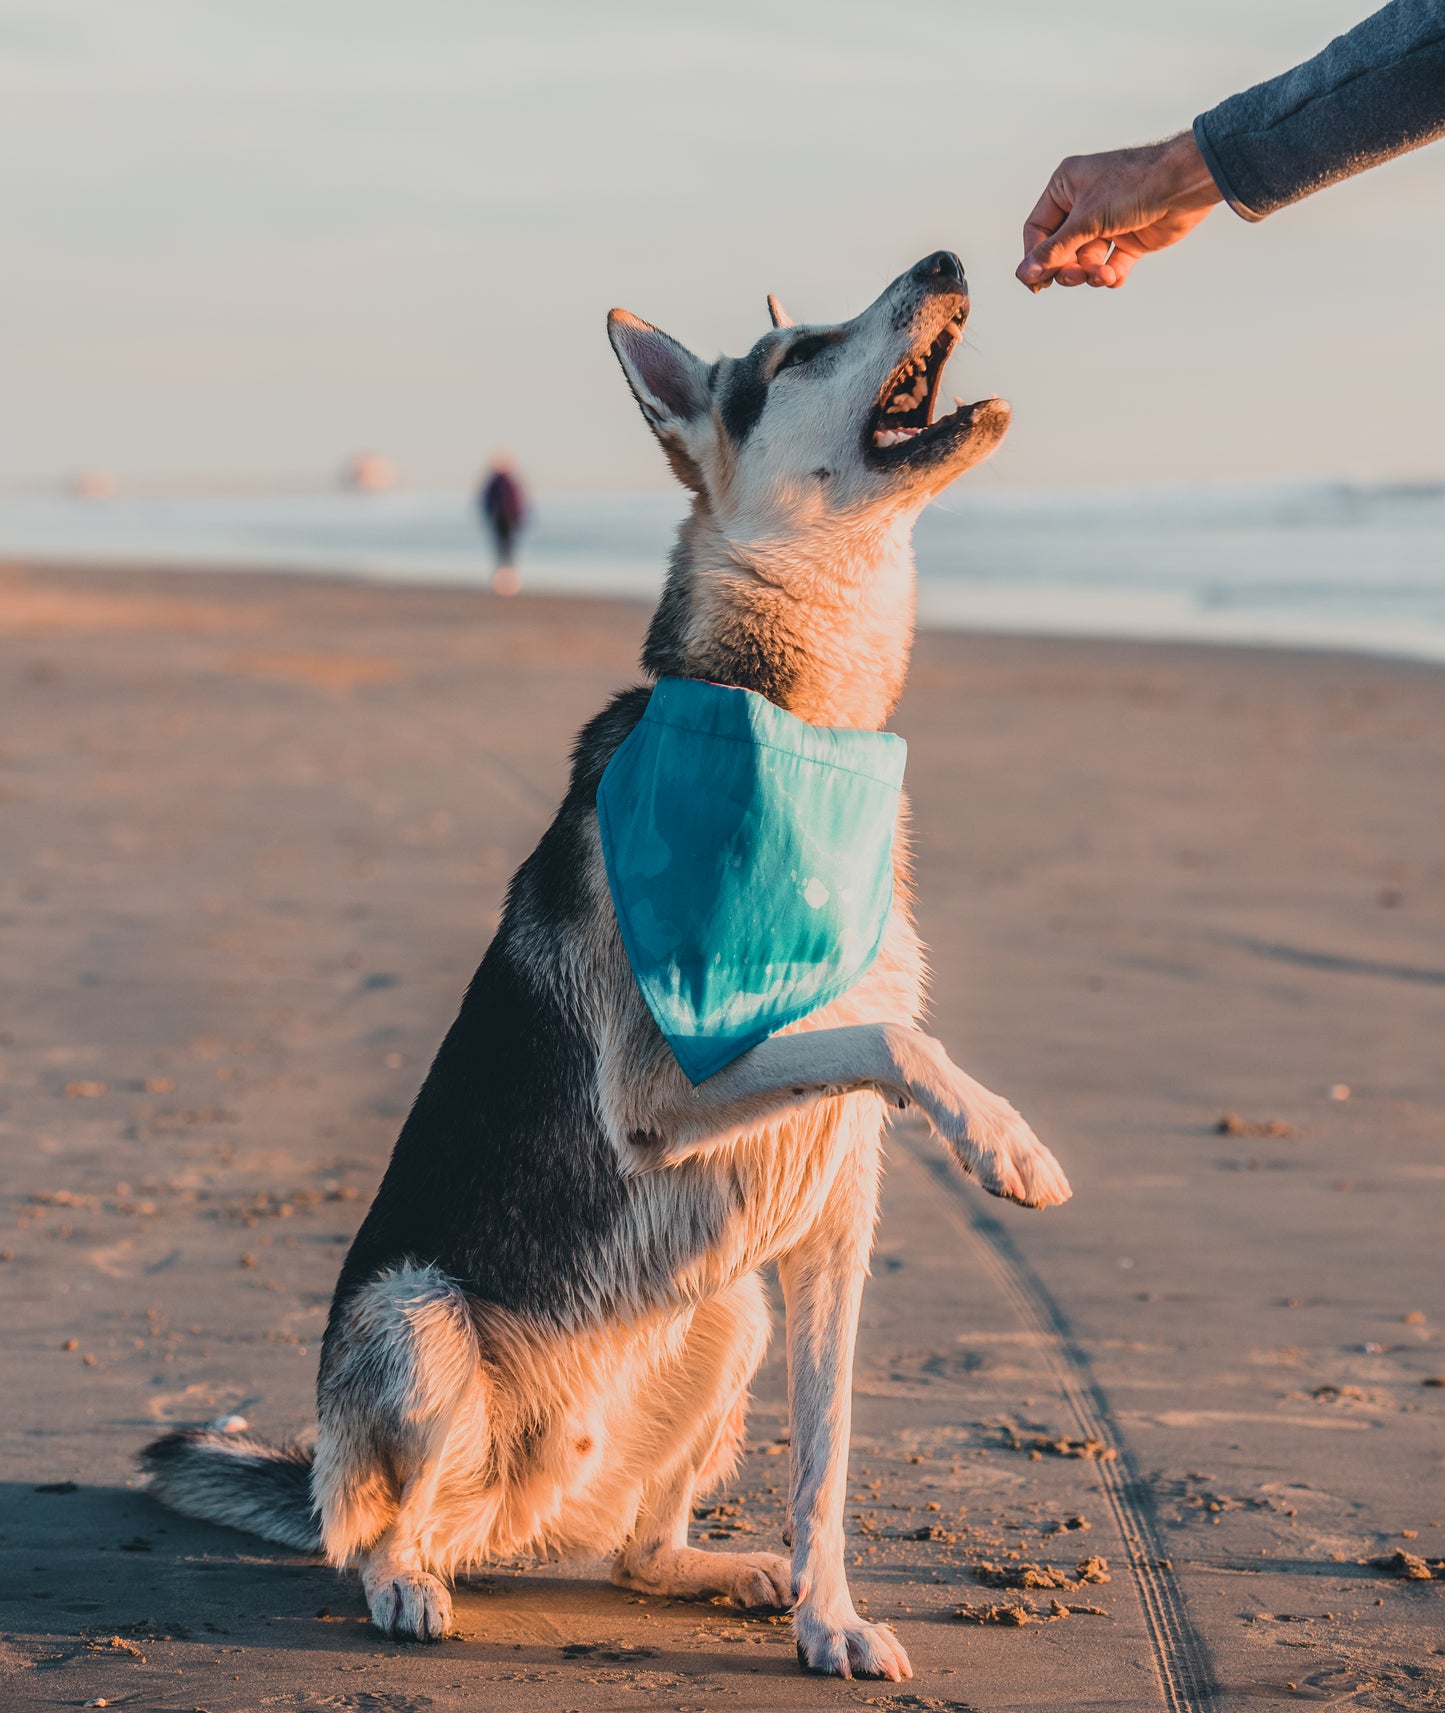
(1301, 564)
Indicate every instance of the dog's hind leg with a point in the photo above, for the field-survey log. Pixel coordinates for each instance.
(400, 1375)
(699, 1412)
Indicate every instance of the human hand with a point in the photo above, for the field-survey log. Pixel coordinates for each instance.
(1135, 200)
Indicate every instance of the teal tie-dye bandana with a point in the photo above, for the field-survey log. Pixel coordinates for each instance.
(750, 857)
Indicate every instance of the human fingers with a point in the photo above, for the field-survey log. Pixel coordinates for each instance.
(1058, 251)
(1091, 264)
(1049, 214)
(1077, 209)
(1127, 250)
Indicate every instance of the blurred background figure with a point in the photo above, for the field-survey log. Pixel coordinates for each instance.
(503, 505)
(94, 484)
(368, 473)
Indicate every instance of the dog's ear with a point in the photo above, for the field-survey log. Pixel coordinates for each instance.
(671, 387)
(780, 316)
(669, 383)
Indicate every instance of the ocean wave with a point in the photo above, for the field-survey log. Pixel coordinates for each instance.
(1316, 564)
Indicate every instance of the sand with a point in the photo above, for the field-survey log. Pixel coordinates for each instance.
(253, 837)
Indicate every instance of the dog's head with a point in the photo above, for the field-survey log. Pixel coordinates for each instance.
(818, 420)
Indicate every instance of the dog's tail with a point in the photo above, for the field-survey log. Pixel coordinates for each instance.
(231, 1478)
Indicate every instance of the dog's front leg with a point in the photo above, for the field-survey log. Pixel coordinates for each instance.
(662, 1120)
(822, 1285)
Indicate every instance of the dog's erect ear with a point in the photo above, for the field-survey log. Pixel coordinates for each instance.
(780, 316)
(671, 386)
(668, 382)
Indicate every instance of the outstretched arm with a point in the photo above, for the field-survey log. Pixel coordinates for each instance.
(1373, 93)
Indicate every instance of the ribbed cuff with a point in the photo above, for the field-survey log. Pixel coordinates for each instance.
(1218, 174)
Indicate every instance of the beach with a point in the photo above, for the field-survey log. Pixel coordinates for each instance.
(1186, 908)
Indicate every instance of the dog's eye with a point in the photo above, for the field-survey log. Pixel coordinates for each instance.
(804, 350)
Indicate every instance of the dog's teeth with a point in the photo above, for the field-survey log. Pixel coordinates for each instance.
(888, 437)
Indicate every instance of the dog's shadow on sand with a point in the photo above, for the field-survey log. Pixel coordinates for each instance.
(82, 1562)
(80, 1558)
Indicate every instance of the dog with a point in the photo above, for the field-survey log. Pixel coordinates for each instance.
(543, 1337)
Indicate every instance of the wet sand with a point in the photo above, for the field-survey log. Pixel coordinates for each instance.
(254, 833)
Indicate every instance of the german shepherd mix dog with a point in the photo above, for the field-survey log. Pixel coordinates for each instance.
(543, 1337)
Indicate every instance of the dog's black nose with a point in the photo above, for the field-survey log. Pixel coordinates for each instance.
(941, 265)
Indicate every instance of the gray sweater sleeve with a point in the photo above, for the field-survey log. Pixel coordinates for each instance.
(1372, 94)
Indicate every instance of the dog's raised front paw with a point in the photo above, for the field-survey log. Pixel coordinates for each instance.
(1010, 1161)
(411, 1606)
(846, 1645)
(994, 1144)
(991, 1141)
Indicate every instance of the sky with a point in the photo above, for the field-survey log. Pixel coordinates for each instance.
(245, 241)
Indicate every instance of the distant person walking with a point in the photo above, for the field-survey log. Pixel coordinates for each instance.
(503, 505)
(1370, 95)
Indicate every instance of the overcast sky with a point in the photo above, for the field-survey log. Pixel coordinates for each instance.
(242, 240)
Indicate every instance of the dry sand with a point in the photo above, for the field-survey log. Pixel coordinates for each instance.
(255, 833)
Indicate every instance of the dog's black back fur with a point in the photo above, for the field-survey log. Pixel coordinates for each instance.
(502, 1176)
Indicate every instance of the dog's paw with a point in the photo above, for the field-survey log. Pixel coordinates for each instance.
(989, 1138)
(411, 1606)
(759, 1581)
(845, 1645)
(993, 1144)
(762, 1582)
(1006, 1157)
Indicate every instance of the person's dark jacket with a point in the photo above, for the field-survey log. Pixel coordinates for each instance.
(1373, 93)
(502, 502)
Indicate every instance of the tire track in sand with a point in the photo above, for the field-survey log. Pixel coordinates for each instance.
(1181, 1657)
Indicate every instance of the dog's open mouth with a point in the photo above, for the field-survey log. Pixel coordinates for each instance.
(901, 426)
